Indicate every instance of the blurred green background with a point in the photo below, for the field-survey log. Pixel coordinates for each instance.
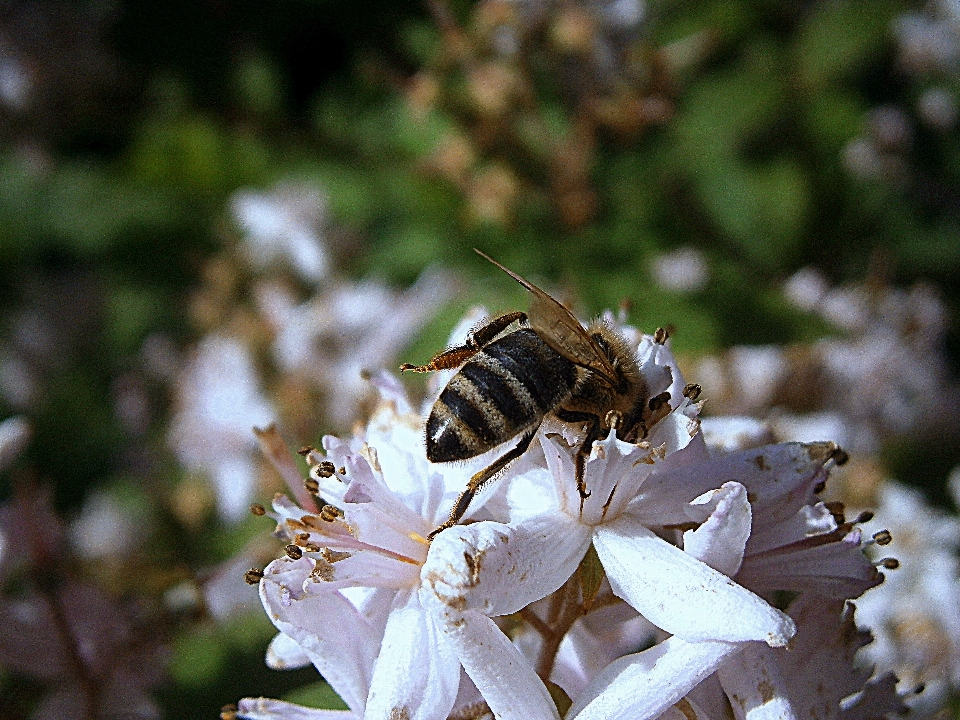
(579, 143)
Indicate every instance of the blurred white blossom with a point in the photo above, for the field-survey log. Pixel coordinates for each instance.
(219, 400)
(345, 330)
(675, 535)
(683, 270)
(14, 436)
(285, 224)
(914, 615)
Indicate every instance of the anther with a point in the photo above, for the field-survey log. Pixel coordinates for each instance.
(312, 486)
(294, 552)
(302, 539)
(325, 469)
(228, 712)
(890, 563)
(305, 450)
(342, 471)
(661, 336)
(330, 513)
(820, 487)
(865, 516)
(883, 537)
(692, 391)
(836, 509)
(840, 456)
(253, 576)
(258, 510)
(613, 419)
(659, 401)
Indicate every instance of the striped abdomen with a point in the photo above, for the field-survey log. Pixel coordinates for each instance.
(501, 391)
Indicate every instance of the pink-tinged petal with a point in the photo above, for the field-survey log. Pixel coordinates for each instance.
(643, 685)
(267, 709)
(284, 653)
(780, 479)
(499, 569)
(879, 699)
(506, 680)
(720, 540)
(318, 623)
(830, 564)
(677, 430)
(752, 681)
(417, 673)
(680, 594)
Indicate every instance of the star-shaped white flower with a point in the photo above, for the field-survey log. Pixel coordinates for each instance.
(346, 596)
(489, 569)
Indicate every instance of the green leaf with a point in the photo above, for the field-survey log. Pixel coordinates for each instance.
(840, 40)
(317, 695)
(559, 697)
(591, 577)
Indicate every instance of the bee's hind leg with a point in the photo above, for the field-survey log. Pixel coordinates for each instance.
(455, 357)
(480, 479)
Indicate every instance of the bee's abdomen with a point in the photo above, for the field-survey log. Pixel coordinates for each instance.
(504, 389)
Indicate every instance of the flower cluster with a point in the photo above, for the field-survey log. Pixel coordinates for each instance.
(687, 580)
(284, 336)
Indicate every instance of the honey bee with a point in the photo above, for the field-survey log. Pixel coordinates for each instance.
(511, 379)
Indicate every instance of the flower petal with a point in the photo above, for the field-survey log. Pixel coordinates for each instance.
(318, 624)
(284, 653)
(506, 680)
(752, 681)
(720, 540)
(643, 685)
(417, 674)
(680, 594)
(780, 478)
(499, 569)
(267, 709)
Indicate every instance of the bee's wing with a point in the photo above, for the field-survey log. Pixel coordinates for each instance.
(560, 329)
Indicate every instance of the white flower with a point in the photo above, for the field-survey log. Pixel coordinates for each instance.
(347, 596)
(914, 615)
(14, 435)
(345, 329)
(219, 401)
(285, 223)
(489, 569)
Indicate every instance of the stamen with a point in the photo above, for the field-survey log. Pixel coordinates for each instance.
(836, 509)
(840, 456)
(325, 469)
(883, 537)
(692, 391)
(332, 556)
(253, 576)
(258, 510)
(330, 513)
(889, 563)
(312, 486)
(417, 537)
(294, 552)
(661, 336)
